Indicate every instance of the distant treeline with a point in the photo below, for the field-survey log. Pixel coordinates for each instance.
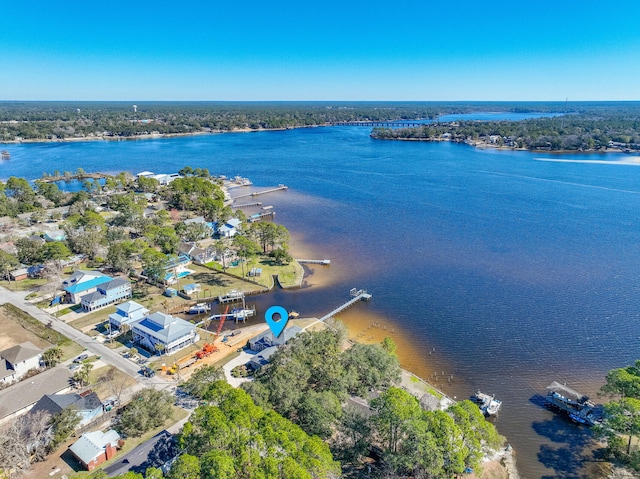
(594, 129)
(586, 125)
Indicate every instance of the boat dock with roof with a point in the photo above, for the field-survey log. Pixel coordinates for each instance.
(576, 405)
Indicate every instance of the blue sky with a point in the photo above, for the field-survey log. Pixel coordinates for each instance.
(295, 50)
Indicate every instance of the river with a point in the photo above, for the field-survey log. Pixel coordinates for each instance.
(492, 270)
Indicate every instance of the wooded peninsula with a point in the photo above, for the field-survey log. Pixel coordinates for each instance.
(576, 126)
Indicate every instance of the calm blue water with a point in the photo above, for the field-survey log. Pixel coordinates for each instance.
(517, 271)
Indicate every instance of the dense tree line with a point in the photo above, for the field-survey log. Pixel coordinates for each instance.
(310, 380)
(621, 425)
(55, 120)
(586, 131)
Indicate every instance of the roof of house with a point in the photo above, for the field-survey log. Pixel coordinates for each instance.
(92, 444)
(164, 327)
(54, 403)
(114, 283)
(21, 352)
(129, 307)
(19, 272)
(196, 220)
(27, 392)
(264, 356)
(286, 335)
(5, 370)
(83, 280)
(233, 222)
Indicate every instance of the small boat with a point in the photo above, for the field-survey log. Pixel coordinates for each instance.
(293, 314)
(199, 308)
(5, 155)
(489, 405)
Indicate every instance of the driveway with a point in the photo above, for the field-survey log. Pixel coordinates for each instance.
(245, 357)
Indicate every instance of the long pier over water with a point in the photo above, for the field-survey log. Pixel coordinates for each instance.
(356, 295)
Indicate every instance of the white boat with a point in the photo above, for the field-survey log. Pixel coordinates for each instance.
(199, 308)
(489, 405)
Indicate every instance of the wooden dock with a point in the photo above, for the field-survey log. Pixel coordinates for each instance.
(263, 192)
(247, 205)
(356, 295)
(325, 262)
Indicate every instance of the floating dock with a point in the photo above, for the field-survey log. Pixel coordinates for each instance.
(576, 405)
(356, 295)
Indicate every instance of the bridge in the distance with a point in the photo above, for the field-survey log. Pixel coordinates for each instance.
(383, 124)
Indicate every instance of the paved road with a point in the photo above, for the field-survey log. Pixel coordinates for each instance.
(16, 298)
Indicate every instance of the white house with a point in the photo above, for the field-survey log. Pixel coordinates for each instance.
(83, 282)
(230, 228)
(94, 448)
(160, 332)
(16, 361)
(127, 313)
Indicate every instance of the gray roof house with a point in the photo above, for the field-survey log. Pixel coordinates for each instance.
(160, 332)
(267, 339)
(19, 398)
(198, 255)
(107, 293)
(127, 313)
(262, 358)
(17, 360)
(88, 405)
(94, 448)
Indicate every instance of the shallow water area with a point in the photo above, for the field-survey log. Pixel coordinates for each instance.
(518, 272)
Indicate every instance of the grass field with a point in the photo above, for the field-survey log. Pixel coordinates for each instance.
(17, 327)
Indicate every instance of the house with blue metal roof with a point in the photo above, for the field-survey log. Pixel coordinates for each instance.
(83, 282)
(107, 293)
(127, 313)
(163, 333)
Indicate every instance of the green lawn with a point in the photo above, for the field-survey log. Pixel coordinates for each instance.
(93, 318)
(289, 275)
(24, 285)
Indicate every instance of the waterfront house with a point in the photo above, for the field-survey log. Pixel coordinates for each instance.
(267, 339)
(88, 405)
(196, 254)
(163, 333)
(94, 448)
(83, 282)
(16, 361)
(127, 313)
(107, 293)
(229, 229)
(262, 358)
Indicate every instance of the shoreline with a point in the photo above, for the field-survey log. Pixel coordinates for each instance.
(149, 136)
(480, 145)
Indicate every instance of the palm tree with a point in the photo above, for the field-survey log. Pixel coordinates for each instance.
(52, 356)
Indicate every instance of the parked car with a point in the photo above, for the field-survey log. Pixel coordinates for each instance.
(81, 358)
